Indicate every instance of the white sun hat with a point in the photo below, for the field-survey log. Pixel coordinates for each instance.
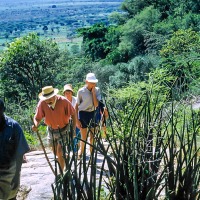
(91, 78)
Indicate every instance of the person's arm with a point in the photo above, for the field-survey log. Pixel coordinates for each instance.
(94, 96)
(20, 149)
(78, 123)
(105, 112)
(38, 115)
(74, 124)
(74, 121)
(35, 125)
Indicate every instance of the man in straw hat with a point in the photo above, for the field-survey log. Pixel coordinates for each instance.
(56, 111)
(13, 146)
(88, 98)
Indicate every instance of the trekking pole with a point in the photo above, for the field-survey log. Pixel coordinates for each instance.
(43, 148)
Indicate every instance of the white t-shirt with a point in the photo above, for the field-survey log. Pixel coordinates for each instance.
(73, 101)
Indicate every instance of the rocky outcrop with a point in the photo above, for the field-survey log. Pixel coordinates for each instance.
(36, 177)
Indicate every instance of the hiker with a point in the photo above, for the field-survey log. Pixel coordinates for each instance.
(88, 98)
(13, 146)
(68, 93)
(56, 111)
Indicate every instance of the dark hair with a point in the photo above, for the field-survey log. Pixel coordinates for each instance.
(2, 107)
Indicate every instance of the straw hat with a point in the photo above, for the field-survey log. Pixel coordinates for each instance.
(68, 87)
(48, 92)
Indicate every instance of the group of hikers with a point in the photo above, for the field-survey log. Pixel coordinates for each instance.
(58, 113)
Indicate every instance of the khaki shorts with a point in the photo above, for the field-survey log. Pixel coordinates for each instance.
(57, 136)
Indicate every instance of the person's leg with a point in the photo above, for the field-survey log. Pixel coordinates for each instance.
(91, 139)
(76, 141)
(54, 148)
(94, 129)
(82, 143)
(104, 131)
(78, 136)
(50, 141)
(54, 144)
(59, 154)
(85, 120)
(103, 128)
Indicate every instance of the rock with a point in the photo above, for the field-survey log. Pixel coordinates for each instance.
(36, 177)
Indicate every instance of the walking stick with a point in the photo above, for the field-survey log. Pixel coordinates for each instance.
(43, 148)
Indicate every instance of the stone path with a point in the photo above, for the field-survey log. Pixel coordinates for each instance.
(37, 177)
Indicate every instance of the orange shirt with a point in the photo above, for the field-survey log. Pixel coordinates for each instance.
(57, 117)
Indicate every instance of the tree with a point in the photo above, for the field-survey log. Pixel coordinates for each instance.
(133, 33)
(132, 7)
(181, 56)
(75, 49)
(27, 65)
(94, 40)
(166, 8)
(112, 42)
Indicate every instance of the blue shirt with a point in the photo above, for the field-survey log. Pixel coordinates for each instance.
(12, 139)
